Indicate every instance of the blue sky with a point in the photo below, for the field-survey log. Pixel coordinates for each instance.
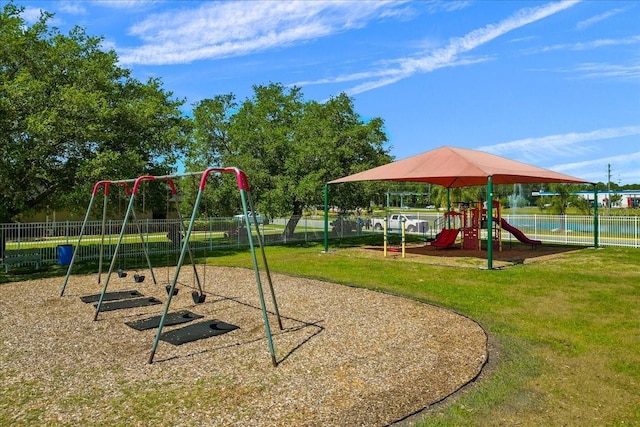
(554, 84)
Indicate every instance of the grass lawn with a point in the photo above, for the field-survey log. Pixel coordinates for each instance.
(565, 347)
(566, 330)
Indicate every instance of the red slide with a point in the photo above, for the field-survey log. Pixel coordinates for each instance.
(518, 234)
(446, 238)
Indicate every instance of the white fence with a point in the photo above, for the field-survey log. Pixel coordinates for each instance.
(219, 233)
(578, 230)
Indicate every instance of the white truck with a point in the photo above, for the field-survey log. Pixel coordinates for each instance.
(412, 224)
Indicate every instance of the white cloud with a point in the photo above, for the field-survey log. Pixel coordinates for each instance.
(588, 45)
(624, 168)
(224, 29)
(125, 4)
(599, 71)
(560, 145)
(620, 159)
(73, 7)
(450, 54)
(589, 22)
(31, 14)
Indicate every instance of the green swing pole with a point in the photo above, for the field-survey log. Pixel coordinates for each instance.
(174, 193)
(117, 248)
(490, 222)
(84, 224)
(103, 229)
(183, 251)
(243, 184)
(326, 217)
(596, 227)
(264, 261)
(144, 247)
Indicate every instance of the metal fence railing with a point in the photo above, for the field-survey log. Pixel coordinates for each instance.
(579, 230)
(159, 236)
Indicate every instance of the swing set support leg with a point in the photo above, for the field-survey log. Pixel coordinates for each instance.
(144, 248)
(264, 261)
(75, 251)
(183, 251)
(244, 196)
(115, 255)
(198, 297)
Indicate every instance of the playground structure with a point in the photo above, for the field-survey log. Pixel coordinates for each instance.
(180, 237)
(470, 221)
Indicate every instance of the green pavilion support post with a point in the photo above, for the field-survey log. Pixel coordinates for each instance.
(490, 222)
(596, 226)
(326, 217)
(448, 207)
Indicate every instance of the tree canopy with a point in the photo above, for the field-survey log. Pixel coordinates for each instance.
(288, 147)
(70, 115)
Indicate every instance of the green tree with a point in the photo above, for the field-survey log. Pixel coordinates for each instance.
(69, 116)
(289, 148)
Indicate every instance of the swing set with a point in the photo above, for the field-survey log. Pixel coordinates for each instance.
(132, 188)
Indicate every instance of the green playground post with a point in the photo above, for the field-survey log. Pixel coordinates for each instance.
(595, 217)
(448, 207)
(490, 222)
(326, 217)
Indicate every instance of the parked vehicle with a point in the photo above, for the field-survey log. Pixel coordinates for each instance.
(259, 218)
(412, 224)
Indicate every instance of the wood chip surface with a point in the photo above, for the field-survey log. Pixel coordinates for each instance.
(346, 356)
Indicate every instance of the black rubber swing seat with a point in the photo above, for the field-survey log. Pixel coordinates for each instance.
(112, 296)
(171, 319)
(197, 331)
(198, 298)
(138, 278)
(121, 273)
(175, 290)
(128, 303)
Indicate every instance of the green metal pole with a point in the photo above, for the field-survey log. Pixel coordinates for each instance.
(115, 254)
(191, 258)
(75, 251)
(103, 229)
(264, 261)
(490, 223)
(263, 306)
(448, 207)
(143, 242)
(596, 227)
(183, 252)
(326, 217)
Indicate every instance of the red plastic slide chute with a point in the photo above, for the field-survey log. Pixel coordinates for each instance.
(446, 238)
(518, 234)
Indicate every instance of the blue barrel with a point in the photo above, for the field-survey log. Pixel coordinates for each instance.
(65, 253)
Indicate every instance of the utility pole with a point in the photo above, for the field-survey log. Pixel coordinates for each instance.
(609, 189)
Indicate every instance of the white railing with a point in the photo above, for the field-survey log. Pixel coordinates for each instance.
(216, 233)
(578, 230)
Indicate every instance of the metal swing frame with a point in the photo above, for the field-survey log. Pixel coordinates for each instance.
(105, 185)
(247, 206)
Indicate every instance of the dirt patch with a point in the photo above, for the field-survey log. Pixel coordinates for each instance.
(347, 356)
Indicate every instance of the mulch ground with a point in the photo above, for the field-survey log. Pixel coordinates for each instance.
(510, 255)
(346, 356)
